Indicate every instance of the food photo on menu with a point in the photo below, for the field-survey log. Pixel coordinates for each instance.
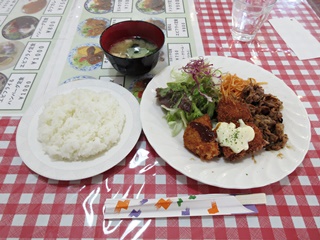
(93, 27)
(99, 6)
(86, 57)
(20, 27)
(33, 6)
(151, 6)
(10, 52)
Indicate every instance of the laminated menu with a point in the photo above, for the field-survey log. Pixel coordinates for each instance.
(44, 44)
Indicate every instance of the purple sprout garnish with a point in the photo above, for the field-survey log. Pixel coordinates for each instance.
(199, 69)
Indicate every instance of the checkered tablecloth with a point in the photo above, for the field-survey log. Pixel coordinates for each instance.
(37, 207)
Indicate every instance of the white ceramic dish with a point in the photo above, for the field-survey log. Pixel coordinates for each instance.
(30, 150)
(268, 167)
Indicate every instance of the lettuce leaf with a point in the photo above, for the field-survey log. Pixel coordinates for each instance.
(194, 92)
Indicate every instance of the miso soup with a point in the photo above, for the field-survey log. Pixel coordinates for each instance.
(133, 48)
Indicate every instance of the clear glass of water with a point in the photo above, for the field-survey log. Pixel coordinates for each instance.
(248, 16)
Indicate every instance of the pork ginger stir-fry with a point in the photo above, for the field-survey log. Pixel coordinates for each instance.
(267, 116)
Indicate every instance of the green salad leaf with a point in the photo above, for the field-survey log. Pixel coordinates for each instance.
(194, 92)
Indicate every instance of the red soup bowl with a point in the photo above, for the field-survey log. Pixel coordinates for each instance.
(137, 63)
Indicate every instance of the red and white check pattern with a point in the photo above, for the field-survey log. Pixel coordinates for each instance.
(33, 206)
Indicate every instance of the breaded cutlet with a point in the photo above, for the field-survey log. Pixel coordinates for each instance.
(199, 138)
(255, 145)
(231, 111)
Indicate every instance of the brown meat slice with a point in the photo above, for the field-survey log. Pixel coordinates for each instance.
(255, 145)
(96, 58)
(231, 111)
(199, 138)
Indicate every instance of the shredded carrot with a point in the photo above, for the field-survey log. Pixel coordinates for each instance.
(232, 85)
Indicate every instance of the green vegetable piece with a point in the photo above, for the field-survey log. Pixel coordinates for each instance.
(193, 93)
(137, 52)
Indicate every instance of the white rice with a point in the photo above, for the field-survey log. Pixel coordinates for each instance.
(80, 124)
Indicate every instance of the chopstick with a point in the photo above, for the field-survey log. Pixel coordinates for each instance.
(190, 205)
(254, 198)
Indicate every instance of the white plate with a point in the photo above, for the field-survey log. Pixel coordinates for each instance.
(270, 166)
(30, 150)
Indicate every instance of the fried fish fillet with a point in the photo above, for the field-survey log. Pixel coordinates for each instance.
(199, 138)
(254, 146)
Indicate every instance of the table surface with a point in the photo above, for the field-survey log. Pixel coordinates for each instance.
(34, 206)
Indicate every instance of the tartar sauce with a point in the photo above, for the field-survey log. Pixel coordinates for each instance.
(236, 138)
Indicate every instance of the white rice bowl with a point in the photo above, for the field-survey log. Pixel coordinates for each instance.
(80, 124)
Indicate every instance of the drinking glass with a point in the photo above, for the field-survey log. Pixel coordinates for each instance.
(248, 16)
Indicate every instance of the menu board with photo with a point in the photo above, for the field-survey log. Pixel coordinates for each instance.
(46, 43)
